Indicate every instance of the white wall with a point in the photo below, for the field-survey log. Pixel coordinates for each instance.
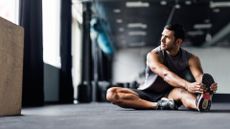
(128, 63)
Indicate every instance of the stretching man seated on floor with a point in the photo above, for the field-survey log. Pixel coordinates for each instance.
(174, 76)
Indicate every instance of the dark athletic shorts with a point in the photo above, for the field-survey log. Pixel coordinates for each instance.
(150, 96)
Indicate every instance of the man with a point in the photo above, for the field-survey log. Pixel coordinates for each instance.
(173, 77)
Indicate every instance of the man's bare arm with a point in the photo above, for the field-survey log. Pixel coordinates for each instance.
(195, 67)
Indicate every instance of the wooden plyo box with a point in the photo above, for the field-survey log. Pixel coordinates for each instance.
(11, 67)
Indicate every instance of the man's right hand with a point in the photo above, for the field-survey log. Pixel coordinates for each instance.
(194, 87)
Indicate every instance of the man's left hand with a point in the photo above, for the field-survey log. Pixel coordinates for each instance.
(214, 87)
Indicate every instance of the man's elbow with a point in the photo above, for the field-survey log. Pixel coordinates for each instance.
(153, 68)
(165, 76)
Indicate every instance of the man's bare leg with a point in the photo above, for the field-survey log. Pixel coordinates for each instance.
(127, 98)
(187, 99)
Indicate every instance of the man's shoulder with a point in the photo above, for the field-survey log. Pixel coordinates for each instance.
(188, 53)
(190, 56)
(186, 50)
(156, 53)
(156, 49)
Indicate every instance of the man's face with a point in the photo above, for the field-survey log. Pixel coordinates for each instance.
(168, 40)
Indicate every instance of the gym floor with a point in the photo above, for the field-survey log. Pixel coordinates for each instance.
(109, 116)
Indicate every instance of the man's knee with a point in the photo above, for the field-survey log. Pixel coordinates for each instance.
(176, 93)
(112, 94)
(179, 90)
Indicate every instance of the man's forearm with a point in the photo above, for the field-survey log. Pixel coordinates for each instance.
(174, 80)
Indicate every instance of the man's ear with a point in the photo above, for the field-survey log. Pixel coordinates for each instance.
(179, 41)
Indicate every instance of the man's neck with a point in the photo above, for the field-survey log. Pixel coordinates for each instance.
(173, 52)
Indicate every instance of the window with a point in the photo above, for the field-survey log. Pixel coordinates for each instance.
(9, 9)
(51, 32)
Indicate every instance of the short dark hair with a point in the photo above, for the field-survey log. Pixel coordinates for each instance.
(178, 30)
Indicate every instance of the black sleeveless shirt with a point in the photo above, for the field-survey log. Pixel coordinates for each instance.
(177, 64)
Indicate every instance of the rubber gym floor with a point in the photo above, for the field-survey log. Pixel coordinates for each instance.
(109, 116)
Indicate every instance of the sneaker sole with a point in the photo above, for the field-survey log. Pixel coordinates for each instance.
(207, 81)
(205, 100)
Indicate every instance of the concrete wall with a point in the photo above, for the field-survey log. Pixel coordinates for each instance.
(128, 63)
(11, 64)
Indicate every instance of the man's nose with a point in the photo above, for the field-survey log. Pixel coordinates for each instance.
(162, 39)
